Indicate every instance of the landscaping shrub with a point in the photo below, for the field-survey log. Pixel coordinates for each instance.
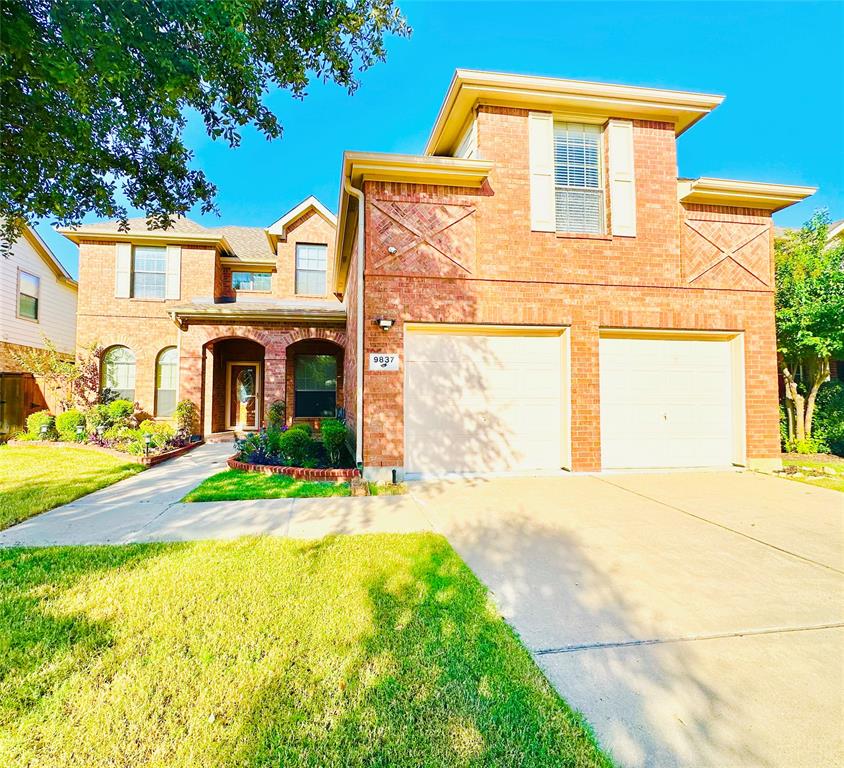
(828, 422)
(304, 427)
(161, 431)
(187, 417)
(254, 449)
(97, 416)
(297, 448)
(67, 422)
(121, 411)
(333, 439)
(275, 415)
(36, 420)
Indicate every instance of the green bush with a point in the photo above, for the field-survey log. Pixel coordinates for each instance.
(297, 447)
(161, 431)
(187, 417)
(304, 427)
(828, 422)
(275, 414)
(333, 438)
(39, 419)
(120, 411)
(97, 416)
(67, 422)
(807, 445)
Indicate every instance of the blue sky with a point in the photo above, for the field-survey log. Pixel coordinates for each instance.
(781, 66)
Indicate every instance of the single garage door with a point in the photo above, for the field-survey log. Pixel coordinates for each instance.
(482, 402)
(666, 403)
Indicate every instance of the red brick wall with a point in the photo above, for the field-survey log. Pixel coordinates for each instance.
(485, 265)
(310, 228)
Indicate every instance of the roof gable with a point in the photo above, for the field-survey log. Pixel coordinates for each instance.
(279, 229)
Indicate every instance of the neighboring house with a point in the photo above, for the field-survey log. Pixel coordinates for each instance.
(536, 291)
(37, 300)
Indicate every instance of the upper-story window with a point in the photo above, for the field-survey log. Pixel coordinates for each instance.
(29, 287)
(149, 271)
(578, 194)
(311, 261)
(251, 281)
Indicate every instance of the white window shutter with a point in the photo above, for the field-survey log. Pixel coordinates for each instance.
(174, 272)
(541, 153)
(622, 178)
(122, 270)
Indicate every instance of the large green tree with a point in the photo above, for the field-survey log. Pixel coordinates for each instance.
(94, 94)
(810, 317)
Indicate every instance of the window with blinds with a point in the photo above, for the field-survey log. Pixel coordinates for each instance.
(311, 263)
(149, 272)
(579, 197)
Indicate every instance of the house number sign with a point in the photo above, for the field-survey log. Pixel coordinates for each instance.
(381, 362)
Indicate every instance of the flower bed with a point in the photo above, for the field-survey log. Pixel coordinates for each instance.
(303, 473)
(146, 461)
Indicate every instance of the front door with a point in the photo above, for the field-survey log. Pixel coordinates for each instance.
(243, 396)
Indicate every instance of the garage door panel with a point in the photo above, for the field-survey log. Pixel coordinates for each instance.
(666, 403)
(482, 403)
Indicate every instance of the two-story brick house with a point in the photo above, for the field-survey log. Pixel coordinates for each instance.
(232, 318)
(555, 296)
(537, 291)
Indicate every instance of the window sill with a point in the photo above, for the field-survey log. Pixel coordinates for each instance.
(28, 319)
(583, 236)
(142, 298)
(242, 290)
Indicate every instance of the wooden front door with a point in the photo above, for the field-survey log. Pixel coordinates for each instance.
(243, 396)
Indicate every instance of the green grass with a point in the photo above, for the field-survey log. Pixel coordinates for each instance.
(834, 482)
(378, 650)
(234, 484)
(35, 479)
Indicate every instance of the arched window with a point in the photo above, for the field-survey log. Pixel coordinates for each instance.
(118, 371)
(166, 378)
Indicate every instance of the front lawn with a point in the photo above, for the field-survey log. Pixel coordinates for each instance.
(35, 479)
(234, 484)
(348, 651)
(821, 470)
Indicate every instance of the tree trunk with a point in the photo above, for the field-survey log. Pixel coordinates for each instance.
(800, 409)
(821, 374)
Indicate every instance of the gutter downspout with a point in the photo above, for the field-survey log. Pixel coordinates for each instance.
(356, 193)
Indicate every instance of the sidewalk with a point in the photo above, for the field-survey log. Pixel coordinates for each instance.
(146, 507)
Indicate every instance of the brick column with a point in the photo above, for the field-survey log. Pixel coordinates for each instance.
(586, 399)
(275, 368)
(191, 375)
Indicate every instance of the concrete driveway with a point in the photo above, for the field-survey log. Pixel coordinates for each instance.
(696, 619)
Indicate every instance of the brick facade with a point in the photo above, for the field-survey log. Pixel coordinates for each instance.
(497, 271)
(146, 328)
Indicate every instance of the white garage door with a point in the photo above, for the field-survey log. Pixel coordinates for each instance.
(482, 403)
(666, 403)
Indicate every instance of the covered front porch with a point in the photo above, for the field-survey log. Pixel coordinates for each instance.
(234, 371)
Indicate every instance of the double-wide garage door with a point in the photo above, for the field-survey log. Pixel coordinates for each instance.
(491, 401)
(482, 401)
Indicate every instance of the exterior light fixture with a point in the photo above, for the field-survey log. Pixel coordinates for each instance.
(43, 431)
(100, 430)
(79, 430)
(147, 441)
(392, 250)
(384, 323)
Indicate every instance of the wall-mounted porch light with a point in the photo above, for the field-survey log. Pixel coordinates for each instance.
(384, 323)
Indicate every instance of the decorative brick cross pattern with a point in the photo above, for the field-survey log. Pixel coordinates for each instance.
(727, 253)
(428, 238)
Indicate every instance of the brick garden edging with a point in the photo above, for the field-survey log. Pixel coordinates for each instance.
(303, 473)
(147, 461)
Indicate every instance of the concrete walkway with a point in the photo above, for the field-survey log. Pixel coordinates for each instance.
(146, 507)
